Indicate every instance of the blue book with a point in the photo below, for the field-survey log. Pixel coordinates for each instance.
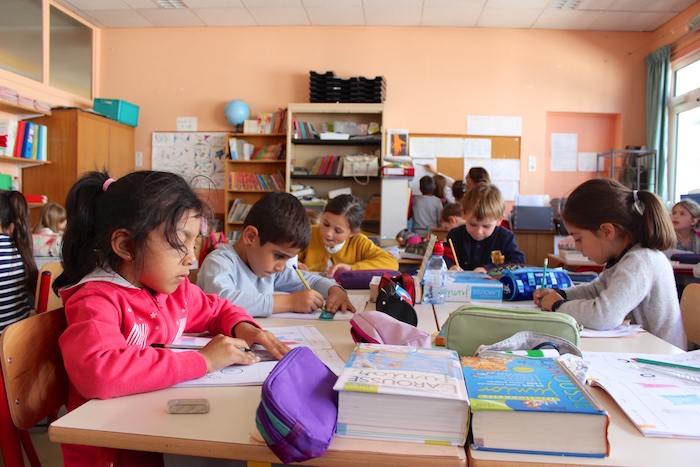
(533, 406)
(29, 132)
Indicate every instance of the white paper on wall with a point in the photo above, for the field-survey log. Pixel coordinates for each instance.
(563, 152)
(505, 169)
(420, 171)
(507, 126)
(421, 148)
(509, 189)
(478, 148)
(587, 162)
(485, 163)
(449, 147)
(191, 155)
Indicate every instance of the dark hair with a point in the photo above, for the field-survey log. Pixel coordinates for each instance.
(349, 206)
(478, 174)
(484, 201)
(450, 209)
(458, 190)
(280, 218)
(641, 214)
(440, 184)
(427, 185)
(14, 210)
(139, 202)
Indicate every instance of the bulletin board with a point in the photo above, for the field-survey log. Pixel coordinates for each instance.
(454, 155)
(195, 155)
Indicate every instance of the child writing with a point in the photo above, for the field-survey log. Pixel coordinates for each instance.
(18, 272)
(426, 207)
(451, 216)
(249, 273)
(627, 231)
(685, 216)
(482, 243)
(337, 244)
(47, 235)
(127, 251)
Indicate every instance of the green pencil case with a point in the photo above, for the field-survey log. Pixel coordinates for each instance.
(470, 326)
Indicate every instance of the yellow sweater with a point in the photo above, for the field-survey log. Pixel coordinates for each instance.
(359, 252)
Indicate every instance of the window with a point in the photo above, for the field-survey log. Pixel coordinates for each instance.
(21, 44)
(684, 147)
(70, 54)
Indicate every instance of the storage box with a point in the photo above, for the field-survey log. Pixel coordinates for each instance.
(465, 286)
(121, 111)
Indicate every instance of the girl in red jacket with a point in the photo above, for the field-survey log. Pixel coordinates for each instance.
(127, 252)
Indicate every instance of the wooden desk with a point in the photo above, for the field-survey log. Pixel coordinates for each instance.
(224, 431)
(573, 265)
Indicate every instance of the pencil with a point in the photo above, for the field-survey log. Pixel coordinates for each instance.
(454, 253)
(306, 284)
(672, 365)
(189, 347)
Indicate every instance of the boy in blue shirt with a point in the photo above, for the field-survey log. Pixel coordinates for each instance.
(481, 243)
(249, 272)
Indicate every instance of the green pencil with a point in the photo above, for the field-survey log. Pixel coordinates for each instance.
(672, 365)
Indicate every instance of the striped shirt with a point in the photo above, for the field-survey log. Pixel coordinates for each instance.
(14, 300)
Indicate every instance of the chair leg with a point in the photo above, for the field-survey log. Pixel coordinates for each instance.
(107, 457)
(29, 448)
(9, 434)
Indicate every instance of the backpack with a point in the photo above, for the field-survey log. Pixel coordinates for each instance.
(396, 298)
(298, 410)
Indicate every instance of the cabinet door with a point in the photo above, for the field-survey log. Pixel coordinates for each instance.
(93, 143)
(121, 150)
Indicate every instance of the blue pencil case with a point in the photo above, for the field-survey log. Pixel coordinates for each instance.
(520, 284)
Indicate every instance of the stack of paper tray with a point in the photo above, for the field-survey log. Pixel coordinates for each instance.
(328, 88)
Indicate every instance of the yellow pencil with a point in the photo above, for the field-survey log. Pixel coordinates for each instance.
(306, 284)
(454, 253)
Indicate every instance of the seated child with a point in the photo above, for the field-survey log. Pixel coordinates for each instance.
(127, 250)
(482, 244)
(458, 189)
(627, 231)
(451, 216)
(684, 217)
(337, 244)
(47, 234)
(426, 207)
(254, 268)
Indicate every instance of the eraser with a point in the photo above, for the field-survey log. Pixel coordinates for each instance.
(188, 406)
(326, 315)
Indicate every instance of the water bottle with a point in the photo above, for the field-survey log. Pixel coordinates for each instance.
(434, 286)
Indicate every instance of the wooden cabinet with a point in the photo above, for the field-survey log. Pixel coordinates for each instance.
(536, 244)
(302, 152)
(239, 171)
(78, 142)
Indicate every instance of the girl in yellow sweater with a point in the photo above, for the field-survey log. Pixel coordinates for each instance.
(337, 244)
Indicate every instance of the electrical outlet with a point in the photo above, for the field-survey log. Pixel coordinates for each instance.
(138, 159)
(532, 163)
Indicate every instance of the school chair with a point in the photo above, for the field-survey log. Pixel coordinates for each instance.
(690, 312)
(35, 383)
(45, 299)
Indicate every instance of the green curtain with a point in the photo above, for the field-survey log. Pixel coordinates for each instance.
(658, 86)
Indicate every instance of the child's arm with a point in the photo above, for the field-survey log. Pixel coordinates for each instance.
(302, 301)
(288, 281)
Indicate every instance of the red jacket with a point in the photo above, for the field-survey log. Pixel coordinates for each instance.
(106, 347)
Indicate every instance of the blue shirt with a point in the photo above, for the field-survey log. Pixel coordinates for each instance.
(472, 254)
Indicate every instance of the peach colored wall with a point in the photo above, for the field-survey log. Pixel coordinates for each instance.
(435, 77)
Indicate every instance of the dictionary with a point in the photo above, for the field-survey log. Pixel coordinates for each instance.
(399, 393)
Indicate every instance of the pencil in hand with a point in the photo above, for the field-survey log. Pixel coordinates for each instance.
(306, 284)
(454, 254)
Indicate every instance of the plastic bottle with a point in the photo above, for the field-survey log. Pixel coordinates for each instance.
(434, 286)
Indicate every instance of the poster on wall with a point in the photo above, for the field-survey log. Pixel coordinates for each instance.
(397, 142)
(197, 156)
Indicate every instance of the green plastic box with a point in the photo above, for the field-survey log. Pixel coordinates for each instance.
(121, 111)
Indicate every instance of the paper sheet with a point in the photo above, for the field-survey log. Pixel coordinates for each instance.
(359, 301)
(563, 152)
(618, 331)
(255, 374)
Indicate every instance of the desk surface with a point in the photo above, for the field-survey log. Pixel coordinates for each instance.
(224, 431)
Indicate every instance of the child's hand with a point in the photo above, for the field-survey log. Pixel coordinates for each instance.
(254, 335)
(338, 300)
(305, 301)
(455, 268)
(546, 298)
(302, 266)
(338, 267)
(223, 351)
(481, 269)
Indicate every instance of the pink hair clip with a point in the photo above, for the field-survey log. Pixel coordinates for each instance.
(107, 183)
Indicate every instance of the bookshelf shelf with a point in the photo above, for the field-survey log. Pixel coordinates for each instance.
(339, 142)
(333, 177)
(22, 161)
(21, 110)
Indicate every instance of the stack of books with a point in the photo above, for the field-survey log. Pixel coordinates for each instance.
(249, 181)
(238, 211)
(23, 139)
(399, 393)
(534, 406)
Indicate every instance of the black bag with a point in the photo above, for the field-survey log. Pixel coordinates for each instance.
(394, 300)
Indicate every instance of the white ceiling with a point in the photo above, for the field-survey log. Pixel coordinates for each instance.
(594, 15)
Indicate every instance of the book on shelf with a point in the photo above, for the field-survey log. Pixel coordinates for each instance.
(36, 199)
(238, 211)
(28, 142)
(8, 136)
(249, 181)
(304, 130)
(399, 393)
(269, 152)
(19, 142)
(533, 405)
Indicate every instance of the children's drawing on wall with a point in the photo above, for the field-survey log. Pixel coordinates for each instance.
(191, 154)
(397, 142)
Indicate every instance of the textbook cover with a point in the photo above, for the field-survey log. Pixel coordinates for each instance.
(402, 393)
(464, 286)
(514, 400)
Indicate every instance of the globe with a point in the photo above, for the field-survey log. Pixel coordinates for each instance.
(236, 112)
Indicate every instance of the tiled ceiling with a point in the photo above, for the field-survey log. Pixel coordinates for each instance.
(593, 15)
